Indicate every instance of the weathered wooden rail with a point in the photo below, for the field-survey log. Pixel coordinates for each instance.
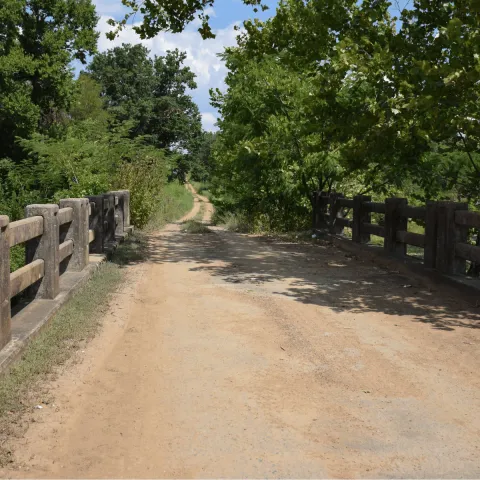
(58, 239)
(445, 241)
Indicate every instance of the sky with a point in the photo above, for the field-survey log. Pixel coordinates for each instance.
(201, 54)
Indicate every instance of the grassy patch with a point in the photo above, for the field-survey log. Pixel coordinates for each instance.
(233, 222)
(202, 189)
(176, 202)
(192, 226)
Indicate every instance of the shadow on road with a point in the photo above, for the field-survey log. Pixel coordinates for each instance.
(313, 274)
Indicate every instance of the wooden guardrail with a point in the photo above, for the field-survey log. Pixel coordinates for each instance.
(58, 239)
(447, 224)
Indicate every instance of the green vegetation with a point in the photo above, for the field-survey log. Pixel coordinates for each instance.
(177, 201)
(202, 189)
(233, 222)
(342, 96)
(108, 129)
(171, 15)
(194, 226)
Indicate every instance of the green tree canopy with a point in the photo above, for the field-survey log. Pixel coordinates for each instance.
(152, 92)
(38, 40)
(342, 95)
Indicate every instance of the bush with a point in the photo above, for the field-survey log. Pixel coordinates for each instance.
(233, 222)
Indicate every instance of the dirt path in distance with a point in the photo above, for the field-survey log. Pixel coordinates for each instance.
(234, 356)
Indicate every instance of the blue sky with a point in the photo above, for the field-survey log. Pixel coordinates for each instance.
(201, 54)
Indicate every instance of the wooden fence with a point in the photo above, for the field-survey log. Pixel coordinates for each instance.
(446, 227)
(58, 239)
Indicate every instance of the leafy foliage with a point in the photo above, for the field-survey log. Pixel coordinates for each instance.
(343, 96)
(151, 92)
(38, 40)
(126, 123)
(169, 15)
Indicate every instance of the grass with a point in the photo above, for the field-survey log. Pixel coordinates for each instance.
(233, 222)
(77, 322)
(202, 189)
(176, 202)
(193, 226)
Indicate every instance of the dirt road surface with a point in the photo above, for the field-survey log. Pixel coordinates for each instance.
(227, 355)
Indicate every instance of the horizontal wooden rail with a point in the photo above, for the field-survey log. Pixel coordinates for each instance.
(65, 250)
(416, 213)
(467, 219)
(410, 238)
(345, 202)
(26, 276)
(468, 252)
(373, 229)
(375, 207)
(23, 230)
(343, 222)
(65, 215)
(91, 236)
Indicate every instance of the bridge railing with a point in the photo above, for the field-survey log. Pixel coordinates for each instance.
(58, 239)
(446, 225)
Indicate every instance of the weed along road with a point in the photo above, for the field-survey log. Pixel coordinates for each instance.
(227, 355)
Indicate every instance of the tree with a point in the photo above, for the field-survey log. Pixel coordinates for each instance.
(201, 160)
(169, 15)
(152, 92)
(38, 40)
(331, 95)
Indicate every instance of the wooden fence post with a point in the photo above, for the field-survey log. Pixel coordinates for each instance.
(395, 222)
(335, 212)
(78, 232)
(320, 209)
(45, 247)
(431, 227)
(448, 234)
(5, 312)
(360, 216)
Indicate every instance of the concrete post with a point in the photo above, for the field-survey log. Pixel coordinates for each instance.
(124, 207)
(45, 247)
(430, 250)
(335, 212)
(395, 222)
(96, 223)
(448, 234)
(119, 212)
(360, 215)
(109, 220)
(78, 232)
(5, 313)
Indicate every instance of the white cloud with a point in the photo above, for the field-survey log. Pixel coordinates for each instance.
(201, 54)
(110, 7)
(208, 122)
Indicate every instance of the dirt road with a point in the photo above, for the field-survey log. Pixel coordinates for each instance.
(233, 356)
